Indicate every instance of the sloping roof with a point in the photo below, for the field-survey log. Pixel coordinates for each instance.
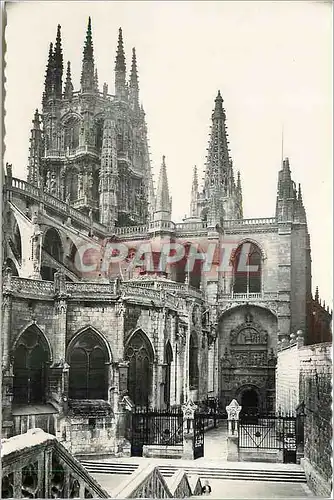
(90, 407)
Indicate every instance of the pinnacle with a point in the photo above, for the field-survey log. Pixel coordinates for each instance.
(134, 74)
(68, 84)
(286, 163)
(162, 199)
(120, 57)
(88, 47)
(36, 121)
(316, 297)
(219, 110)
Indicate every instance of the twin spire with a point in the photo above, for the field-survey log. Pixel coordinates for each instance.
(89, 78)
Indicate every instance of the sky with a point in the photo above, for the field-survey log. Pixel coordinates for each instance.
(272, 62)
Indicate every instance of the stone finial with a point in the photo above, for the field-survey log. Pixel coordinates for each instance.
(9, 170)
(189, 409)
(233, 410)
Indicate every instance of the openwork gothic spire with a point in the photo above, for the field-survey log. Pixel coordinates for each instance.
(68, 91)
(134, 86)
(58, 65)
(120, 68)
(218, 170)
(49, 76)
(87, 73)
(219, 179)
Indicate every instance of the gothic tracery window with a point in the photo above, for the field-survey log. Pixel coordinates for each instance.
(168, 363)
(247, 269)
(30, 368)
(71, 134)
(193, 361)
(88, 368)
(140, 356)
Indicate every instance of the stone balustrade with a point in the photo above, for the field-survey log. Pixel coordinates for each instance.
(250, 222)
(249, 297)
(47, 290)
(69, 153)
(36, 465)
(146, 482)
(169, 286)
(29, 288)
(159, 225)
(190, 226)
(23, 187)
(131, 230)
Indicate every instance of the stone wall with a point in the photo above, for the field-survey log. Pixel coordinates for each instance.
(316, 392)
(304, 376)
(287, 379)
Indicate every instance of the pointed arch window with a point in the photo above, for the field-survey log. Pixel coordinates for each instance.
(247, 269)
(88, 359)
(71, 134)
(193, 361)
(31, 358)
(168, 364)
(139, 353)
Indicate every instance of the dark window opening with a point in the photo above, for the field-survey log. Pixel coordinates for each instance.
(30, 369)
(140, 356)
(247, 266)
(168, 361)
(193, 361)
(71, 135)
(88, 369)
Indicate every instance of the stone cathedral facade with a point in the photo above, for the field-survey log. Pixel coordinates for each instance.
(89, 330)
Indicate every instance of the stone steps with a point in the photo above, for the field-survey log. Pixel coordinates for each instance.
(241, 474)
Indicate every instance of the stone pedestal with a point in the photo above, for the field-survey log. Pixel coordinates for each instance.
(122, 418)
(188, 410)
(232, 449)
(233, 411)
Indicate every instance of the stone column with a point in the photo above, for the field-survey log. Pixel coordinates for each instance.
(233, 410)
(188, 410)
(59, 369)
(122, 416)
(6, 319)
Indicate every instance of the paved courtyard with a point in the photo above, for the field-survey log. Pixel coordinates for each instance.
(224, 488)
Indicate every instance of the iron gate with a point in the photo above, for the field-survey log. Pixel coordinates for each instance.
(198, 438)
(155, 427)
(269, 432)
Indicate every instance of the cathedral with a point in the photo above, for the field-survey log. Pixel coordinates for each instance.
(108, 304)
